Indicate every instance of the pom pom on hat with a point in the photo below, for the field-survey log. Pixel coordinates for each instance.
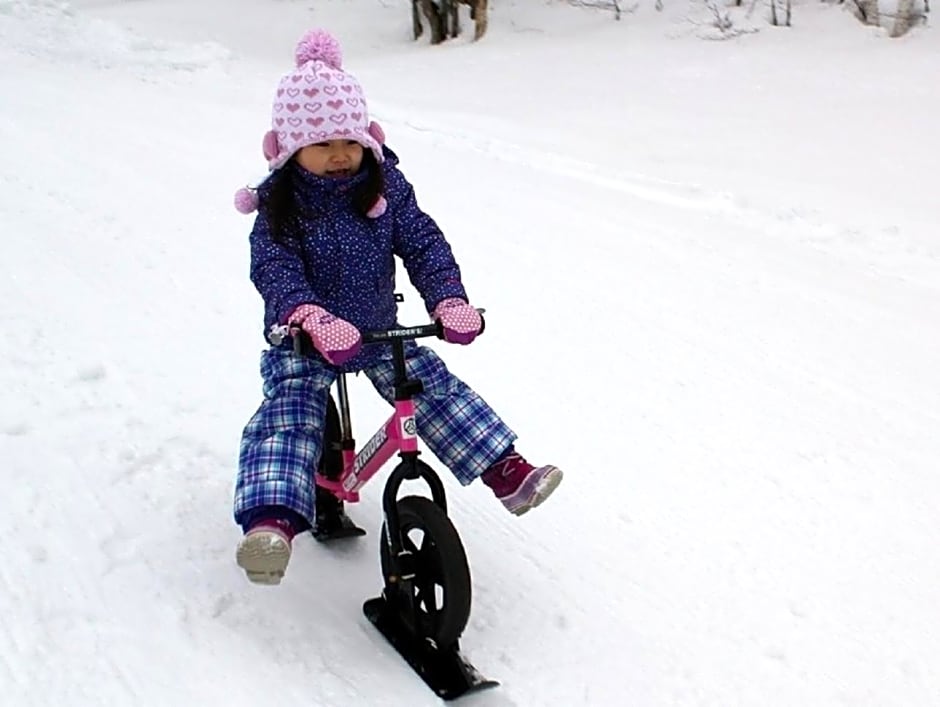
(378, 208)
(319, 45)
(246, 200)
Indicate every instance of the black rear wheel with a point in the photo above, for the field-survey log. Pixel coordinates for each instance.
(441, 587)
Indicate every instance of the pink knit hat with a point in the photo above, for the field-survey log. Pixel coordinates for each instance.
(315, 103)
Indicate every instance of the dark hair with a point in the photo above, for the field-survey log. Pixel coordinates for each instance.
(279, 206)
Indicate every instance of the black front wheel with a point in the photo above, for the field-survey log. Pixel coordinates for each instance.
(441, 586)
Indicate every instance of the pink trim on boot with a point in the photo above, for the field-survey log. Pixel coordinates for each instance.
(281, 526)
(518, 485)
(265, 550)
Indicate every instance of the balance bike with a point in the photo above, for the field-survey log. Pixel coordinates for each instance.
(425, 603)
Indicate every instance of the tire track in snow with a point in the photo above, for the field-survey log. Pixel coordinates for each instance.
(637, 185)
(800, 250)
(886, 249)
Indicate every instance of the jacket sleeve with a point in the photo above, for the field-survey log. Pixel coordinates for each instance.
(418, 241)
(278, 273)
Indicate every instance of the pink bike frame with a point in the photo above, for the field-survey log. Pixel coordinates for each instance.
(398, 434)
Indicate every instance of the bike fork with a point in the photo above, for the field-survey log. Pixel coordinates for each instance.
(410, 468)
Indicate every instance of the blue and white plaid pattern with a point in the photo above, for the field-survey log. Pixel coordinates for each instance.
(453, 421)
(281, 443)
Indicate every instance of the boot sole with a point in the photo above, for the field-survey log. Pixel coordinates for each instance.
(546, 485)
(264, 557)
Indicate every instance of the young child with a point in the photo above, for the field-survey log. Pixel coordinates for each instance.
(332, 213)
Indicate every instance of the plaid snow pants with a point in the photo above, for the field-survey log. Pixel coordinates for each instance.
(281, 443)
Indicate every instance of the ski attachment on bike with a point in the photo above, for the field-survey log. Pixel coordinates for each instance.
(445, 670)
(340, 527)
(331, 521)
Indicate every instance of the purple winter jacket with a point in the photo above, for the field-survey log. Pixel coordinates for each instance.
(344, 261)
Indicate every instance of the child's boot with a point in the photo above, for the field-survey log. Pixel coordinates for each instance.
(519, 485)
(265, 550)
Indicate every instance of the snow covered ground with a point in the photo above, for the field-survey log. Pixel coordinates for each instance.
(712, 277)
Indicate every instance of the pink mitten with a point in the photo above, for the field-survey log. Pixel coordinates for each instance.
(335, 338)
(460, 321)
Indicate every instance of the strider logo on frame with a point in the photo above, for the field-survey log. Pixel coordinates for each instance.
(408, 427)
(369, 451)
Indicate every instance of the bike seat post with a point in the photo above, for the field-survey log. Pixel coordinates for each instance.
(345, 420)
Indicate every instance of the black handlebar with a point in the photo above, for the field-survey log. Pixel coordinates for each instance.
(422, 331)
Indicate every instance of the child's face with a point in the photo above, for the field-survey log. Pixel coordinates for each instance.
(336, 158)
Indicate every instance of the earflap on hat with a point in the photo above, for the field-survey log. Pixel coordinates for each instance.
(246, 198)
(375, 130)
(269, 146)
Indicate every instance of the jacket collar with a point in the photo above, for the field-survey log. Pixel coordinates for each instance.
(309, 186)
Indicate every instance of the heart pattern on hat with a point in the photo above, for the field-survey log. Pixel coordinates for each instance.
(340, 113)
